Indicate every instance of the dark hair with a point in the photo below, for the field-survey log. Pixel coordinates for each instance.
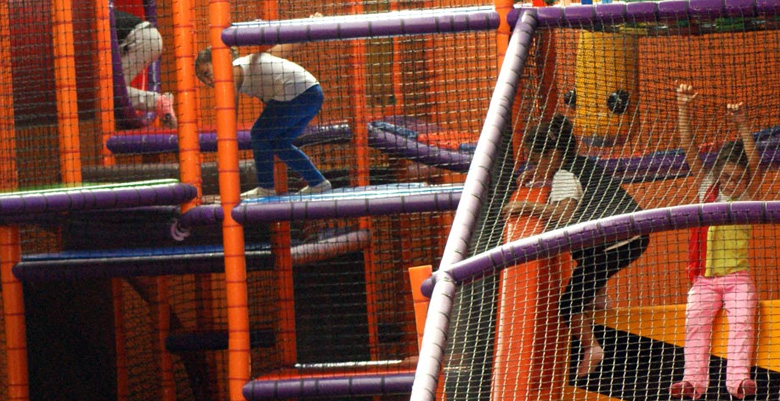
(204, 56)
(555, 134)
(732, 152)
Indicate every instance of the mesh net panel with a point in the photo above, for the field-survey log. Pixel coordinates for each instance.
(509, 335)
(127, 317)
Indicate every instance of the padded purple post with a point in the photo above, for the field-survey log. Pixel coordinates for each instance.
(361, 26)
(497, 119)
(340, 385)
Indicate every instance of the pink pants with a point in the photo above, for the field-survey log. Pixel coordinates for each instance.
(735, 293)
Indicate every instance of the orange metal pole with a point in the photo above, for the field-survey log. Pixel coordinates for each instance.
(122, 381)
(503, 7)
(163, 329)
(10, 243)
(105, 77)
(529, 346)
(65, 78)
(417, 275)
(13, 305)
(229, 189)
(357, 59)
(186, 96)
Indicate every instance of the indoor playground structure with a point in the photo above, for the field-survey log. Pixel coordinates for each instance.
(132, 269)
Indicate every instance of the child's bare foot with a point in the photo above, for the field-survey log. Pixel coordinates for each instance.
(682, 389)
(590, 360)
(602, 302)
(746, 389)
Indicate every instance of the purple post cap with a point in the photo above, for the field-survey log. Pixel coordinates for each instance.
(770, 7)
(611, 12)
(550, 16)
(579, 14)
(642, 12)
(740, 8)
(673, 9)
(706, 8)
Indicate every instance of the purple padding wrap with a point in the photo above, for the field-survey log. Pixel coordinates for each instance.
(361, 26)
(206, 215)
(399, 146)
(161, 264)
(614, 228)
(94, 199)
(364, 385)
(149, 143)
(614, 13)
(326, 208)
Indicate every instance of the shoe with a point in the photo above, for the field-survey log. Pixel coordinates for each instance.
(258, 192)
(746, 389)
(681, 389)
(324, 186)
(165, 110)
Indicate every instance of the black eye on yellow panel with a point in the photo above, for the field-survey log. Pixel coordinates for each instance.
(570, 98)
(618, 101)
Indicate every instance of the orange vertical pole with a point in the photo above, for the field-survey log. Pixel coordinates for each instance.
(528, 342)
(163, 329)
(503, 7)
(122, 381)
(229, 189)
(186, 97)
(105, 117)
(281, 242)
(357, 59)
(10, 243)
(105, 77)
(13, 305)
(65, 78)
(417, 276)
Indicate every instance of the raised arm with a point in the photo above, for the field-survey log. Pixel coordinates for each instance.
(737, 113)
(685, 95)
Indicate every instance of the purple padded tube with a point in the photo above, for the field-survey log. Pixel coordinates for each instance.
(94, 199)
(437, 324)
(361, 26)
(648, 11)
(614, 229)
(343, 385)
(330, 208)
(398, 146)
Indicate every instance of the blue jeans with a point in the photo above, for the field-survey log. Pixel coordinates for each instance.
(274, 132)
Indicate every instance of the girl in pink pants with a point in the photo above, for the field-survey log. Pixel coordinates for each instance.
(718, 261)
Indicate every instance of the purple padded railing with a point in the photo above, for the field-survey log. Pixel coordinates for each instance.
(398, 146)
(150, 143)
(171, 261)
(614, 13)
(361, 26)
(615, 228)
(338, 385)
(324, 207)
(80, 199)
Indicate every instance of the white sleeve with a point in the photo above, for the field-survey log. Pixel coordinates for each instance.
(706, 183)
(565, 185)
